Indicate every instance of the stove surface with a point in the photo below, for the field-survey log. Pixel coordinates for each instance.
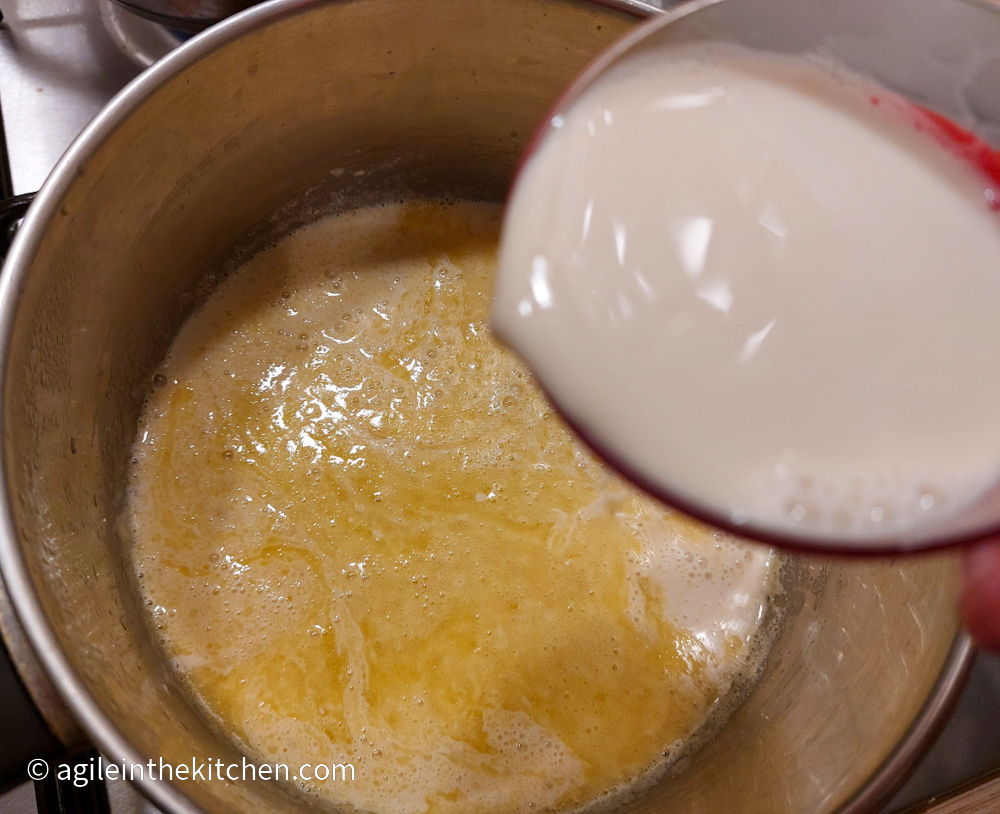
(62, 60)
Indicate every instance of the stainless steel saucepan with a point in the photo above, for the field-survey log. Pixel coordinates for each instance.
(226, 143)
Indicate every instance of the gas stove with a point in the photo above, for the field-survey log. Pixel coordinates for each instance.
(60, 62)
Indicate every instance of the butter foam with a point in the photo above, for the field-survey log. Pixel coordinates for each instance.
(364, 537)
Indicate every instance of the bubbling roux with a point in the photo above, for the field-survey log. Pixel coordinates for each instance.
(364, 537)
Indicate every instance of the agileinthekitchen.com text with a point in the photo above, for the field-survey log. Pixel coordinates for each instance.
(97, 768)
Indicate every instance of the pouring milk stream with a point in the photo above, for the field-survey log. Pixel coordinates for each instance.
(768, 291)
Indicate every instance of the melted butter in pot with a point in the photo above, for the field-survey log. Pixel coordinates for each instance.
(365, 537)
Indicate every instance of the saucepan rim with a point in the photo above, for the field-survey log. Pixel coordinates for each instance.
(13, 565)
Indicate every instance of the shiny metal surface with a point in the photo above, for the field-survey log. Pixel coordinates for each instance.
(47, 700)
(58, 68)
(969, 746)
(142, 41)
(19, 801)
(149, 204)
(124, 799)
(187, 15)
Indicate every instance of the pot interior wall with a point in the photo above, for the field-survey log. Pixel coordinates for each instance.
(431, 98)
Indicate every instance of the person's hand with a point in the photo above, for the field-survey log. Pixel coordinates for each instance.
(981, 594)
